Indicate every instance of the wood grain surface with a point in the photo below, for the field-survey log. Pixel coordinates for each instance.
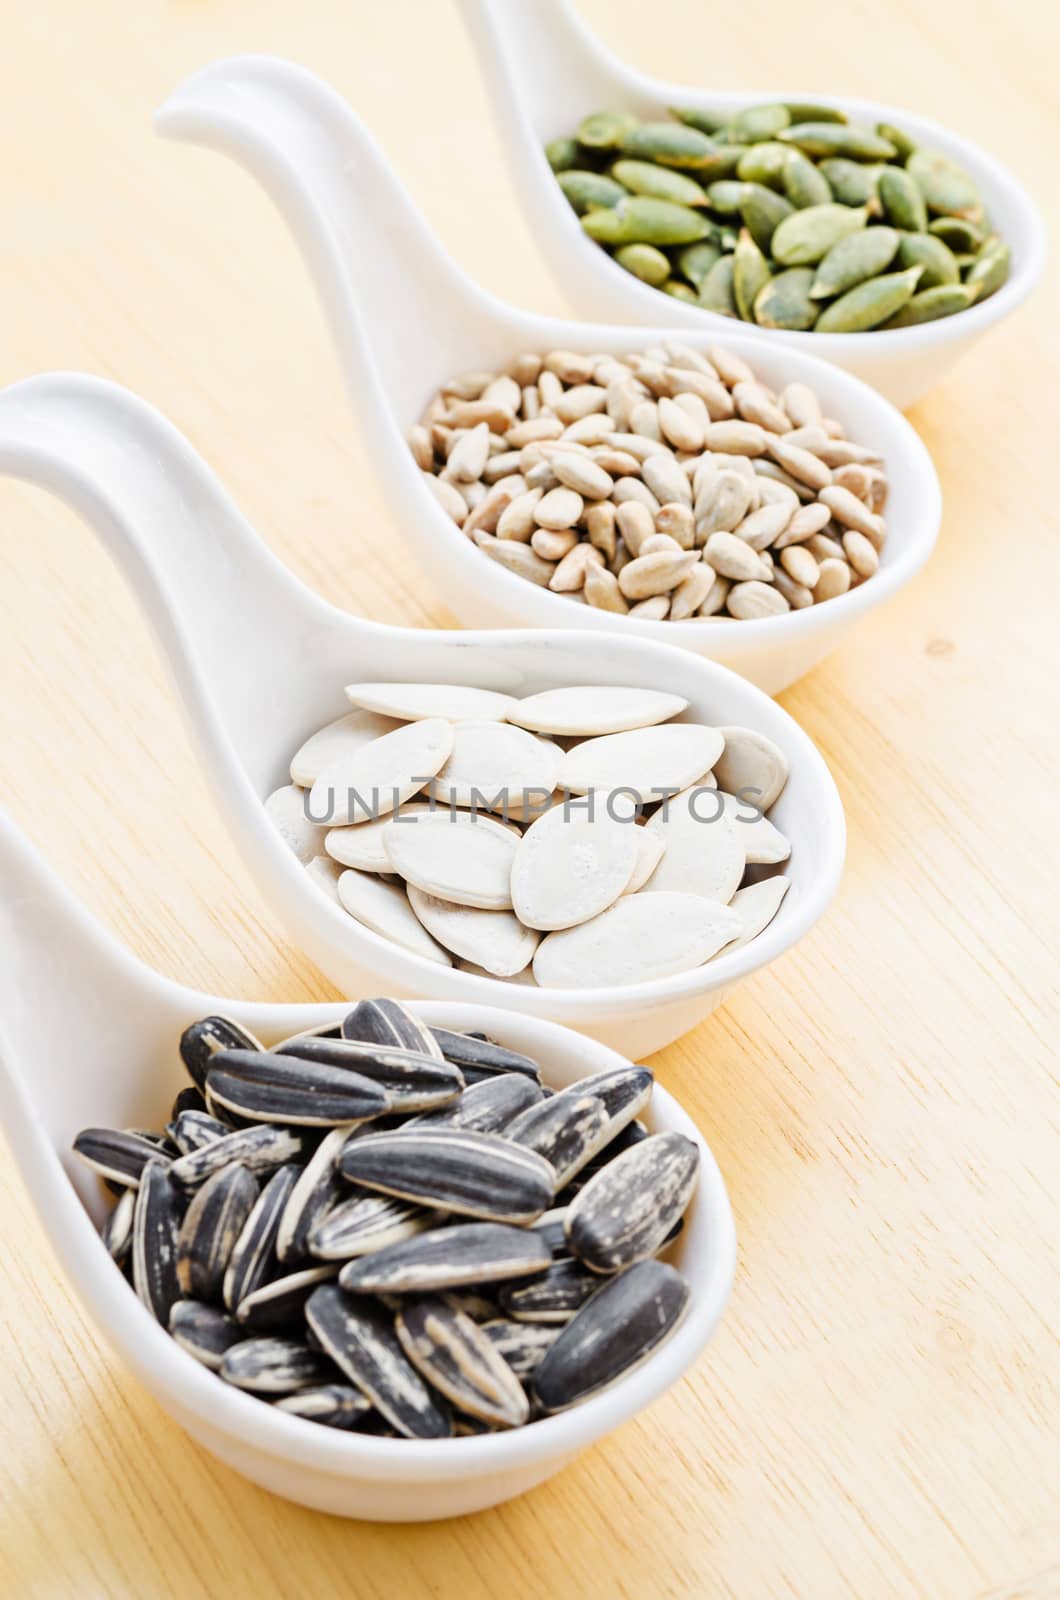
(878, 1415)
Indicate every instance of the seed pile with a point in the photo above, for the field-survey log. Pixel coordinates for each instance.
(400, 1230)
(573, 838)
(668, 485)
(784, 215)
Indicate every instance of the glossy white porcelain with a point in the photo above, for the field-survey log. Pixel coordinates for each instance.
(405, 318)
(260, 662)
(545, 71)
(88, 1037)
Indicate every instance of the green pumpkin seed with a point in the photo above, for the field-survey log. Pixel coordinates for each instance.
(838, 139)
(859, 256)
(810, 111)
(763, 211)
(757, 122)
(764, 163)
(946, 187)
(853, 183)
(870, 303)
(693, 117)
(639, 219)
(723, 163)
(806, 237)
(672, 144)
(750, 274)
(716, 291)
(943, 301)
(964, 260)
(644, 177)
(696, 260)
(785, 301)
(644, 262)
(606, 130)
(588, 190)
(958, 233)
(903, 144)
(561, 154)
(679, 290)
(725, 196)
(937, 260)
(990, 268)
(727, 237)
(902, 201)
(803, 183)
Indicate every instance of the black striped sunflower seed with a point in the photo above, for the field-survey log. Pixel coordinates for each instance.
(473, 1174)
(201, 1042)
(522, 1344)
(318, 1188)
(193, 1129)
(334, 1405)
(554, 1297)
(284, 1088)
(473, 1053)
(118, 1154)
(156, 1223)
(211, 1226)
(367, 1222)
(625, 1092)
(275, 1366)
(487, 1106)
(626, 1210)
(388, 1023)
(117, 1231)
(567, 1130)
(259, 1149)
(204, 1332)
(461, 1362)
(327, 1030)
(619, 1328)
(253, 1254)
(410, 1080)
(359, 1337)
(279, 1306)
(449, 1258)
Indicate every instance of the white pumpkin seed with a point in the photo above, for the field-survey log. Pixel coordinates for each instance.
(463, 858)
(361, 845)
(571, 864)
(385, 909)
(495, 940)
(643, 936)
(647, 762)
(417, 702)
(751, 765)
(595, 709)
(704, 850)
(338, 739)
(285, 809)
(494, 764)
(756, 906)
(378, 776)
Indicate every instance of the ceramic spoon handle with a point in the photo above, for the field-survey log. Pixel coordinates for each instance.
(388, 288)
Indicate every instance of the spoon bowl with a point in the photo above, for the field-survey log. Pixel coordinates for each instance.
(406, 319)
(260, 662)
(545, 71)
(88, 1037)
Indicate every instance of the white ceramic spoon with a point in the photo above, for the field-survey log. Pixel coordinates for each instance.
(545, 71)
(260, 662)
(88, 1037)
(405, 319)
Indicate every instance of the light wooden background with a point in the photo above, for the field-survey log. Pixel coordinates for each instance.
(878, 1415)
